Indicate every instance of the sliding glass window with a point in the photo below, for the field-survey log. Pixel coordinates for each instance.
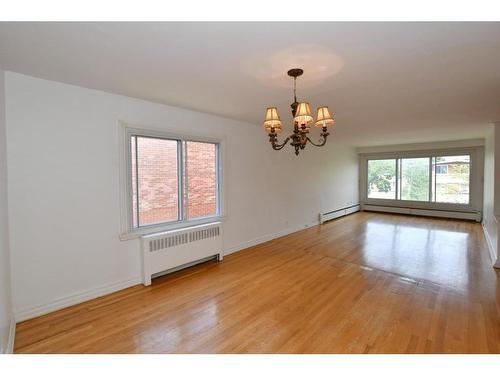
(451, 175)
(172, 180)
(382, 179)
(414, 179)
(432, 179)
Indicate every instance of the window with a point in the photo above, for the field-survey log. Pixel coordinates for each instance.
(172, 180)
(155, 196)
(451, 182)
(382, 179)
(432, 179)
(200, 162)
(415, 179)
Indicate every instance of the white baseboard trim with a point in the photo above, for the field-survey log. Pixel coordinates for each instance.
(491, 248)
(268, 237)
(61, 303)
(12, 335)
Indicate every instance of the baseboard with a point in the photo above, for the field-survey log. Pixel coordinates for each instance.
(12, 335)
(491, 248)
(268, 237)
(74, 299)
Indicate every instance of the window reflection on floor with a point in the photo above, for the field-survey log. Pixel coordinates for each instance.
(433, 254)
(206, 316)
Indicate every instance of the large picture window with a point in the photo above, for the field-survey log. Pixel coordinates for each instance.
(432, 179)
(172, 180)
(414, 179)
(382, 178)
(451, 179)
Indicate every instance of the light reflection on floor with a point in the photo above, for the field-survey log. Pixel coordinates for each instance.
(433, 254)
(202, 319)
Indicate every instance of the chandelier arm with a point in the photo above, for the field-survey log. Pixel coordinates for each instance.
(322, 141)
(277, 146)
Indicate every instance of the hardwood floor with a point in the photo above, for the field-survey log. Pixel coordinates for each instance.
(366, 283)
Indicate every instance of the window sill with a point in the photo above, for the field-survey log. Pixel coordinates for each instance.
(160, 228)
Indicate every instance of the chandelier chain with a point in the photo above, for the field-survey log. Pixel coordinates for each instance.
(295, 89)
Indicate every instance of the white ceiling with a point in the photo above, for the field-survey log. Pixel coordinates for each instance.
(386, 82)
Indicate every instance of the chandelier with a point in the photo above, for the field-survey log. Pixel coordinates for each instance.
(302, 120)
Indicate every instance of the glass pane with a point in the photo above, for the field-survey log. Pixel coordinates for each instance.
(201, 179)
(382, 179)
(451, 184)
(415, 179)
(158, 184)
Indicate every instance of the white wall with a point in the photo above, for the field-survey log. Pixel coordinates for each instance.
(496, 209)
(497, 169)
(63, 183)
(5, 284)
(492, 190)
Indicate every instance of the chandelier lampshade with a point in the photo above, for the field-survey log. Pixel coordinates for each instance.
(272, 120)
(324, 118)
(303, 115)
(277, 129)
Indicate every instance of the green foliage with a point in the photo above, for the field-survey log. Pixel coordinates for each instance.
(380, 174)
(415, 178)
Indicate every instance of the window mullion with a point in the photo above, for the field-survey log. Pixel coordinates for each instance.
(397, 179)
(137, 181)
(217, 186)
(185, 181)
(180, 180)
(434, 178)
(430, 179)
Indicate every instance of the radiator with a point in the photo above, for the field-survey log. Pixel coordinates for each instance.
(324, 217)
(172, 250)
(473, 215)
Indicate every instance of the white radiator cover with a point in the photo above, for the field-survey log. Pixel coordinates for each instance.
(170, 250)
(423, 212)
(326, 216)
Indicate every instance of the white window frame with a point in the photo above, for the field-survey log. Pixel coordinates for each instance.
(126, 211)
(475, 180)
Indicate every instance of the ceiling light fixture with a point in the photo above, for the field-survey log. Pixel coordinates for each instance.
(302, 120)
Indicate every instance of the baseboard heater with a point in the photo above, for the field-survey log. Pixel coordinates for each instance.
(474, 215)
(173, 250)
(324, 217)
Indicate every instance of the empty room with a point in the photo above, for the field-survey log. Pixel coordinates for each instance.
(250, 187)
